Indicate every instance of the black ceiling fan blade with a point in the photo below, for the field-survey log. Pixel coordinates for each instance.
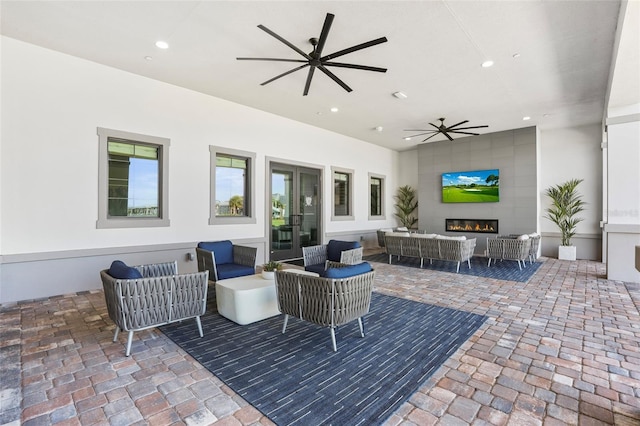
(464, 133)
(435, 134)
(308, 83)
(284, 73)
(324, 33)
(334, 78)
(271, 33)
(437, 127)
(354, 48)
(354, 66)
(272, 59)
(420, 130)
(447, 135)
(462, 122)
(421, 134)
(471, 127)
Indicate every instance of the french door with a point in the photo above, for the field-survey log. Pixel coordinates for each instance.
(295, 210)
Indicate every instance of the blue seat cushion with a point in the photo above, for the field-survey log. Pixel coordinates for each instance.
(233, 270)
(222, 250)
(119, 270)
(348, 271)
(317, 268)
(336, 247)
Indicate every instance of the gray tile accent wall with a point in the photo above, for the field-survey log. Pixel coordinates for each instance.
(513, 152)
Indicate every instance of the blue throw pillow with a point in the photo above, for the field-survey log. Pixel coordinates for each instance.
(119, 270)
(335, 248)
(348, 271)
(222, 250)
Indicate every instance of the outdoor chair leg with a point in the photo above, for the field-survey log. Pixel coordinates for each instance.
(115, 335)
(199, 326)
(469, 262)
(489, 263)
(458, 268)
(361, 326)
(129, 340)
(284, 326)
(421, 262)
(519, 266)
(333, 339)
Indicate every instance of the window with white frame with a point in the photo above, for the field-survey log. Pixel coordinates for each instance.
(342, 194)
(376, 196)
(133, 179)
(231, 186)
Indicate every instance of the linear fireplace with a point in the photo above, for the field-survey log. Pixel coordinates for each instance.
(484, 226)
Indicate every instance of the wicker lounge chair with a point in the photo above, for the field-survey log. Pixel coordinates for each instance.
(328, 302)
(223, 259)
(345, 252)
(508, 248)
(158, 296)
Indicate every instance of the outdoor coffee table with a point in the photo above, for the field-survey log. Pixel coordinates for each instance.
(248, 299)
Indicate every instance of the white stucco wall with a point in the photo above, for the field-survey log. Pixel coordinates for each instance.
(572, 153)
(52, 104)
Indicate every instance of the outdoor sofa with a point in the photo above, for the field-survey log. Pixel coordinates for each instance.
(430, 246)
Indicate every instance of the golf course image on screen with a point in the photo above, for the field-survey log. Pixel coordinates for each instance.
(478, 186)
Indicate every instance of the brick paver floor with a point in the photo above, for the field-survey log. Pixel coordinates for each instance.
(561, 349)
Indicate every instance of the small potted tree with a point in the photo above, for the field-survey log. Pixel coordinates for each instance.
(566, 204)
(406, 204)
(269, 269)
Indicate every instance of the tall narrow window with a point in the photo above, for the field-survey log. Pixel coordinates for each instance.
(133, 180)
(134, 184)
(342, 194)
(232, 186)
(376, 196)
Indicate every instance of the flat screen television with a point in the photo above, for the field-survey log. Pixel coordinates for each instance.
(476, 186)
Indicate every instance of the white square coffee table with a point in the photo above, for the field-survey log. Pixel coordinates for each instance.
(248, 299)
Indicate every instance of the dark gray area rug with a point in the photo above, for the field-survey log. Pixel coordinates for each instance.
(502, 270)
(297, 379)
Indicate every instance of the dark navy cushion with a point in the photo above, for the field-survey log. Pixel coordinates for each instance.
(335, 248)
(317, 268)
(348, 271)
(232, 270)
(121, 271)
(222, 250)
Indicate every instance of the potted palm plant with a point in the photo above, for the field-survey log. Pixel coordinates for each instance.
(405, 206)
(269, 269)
(566, 204)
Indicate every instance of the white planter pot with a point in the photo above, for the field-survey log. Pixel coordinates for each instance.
(268, 275)
(567, 252)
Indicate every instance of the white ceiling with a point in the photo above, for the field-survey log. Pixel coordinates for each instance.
(433, 55)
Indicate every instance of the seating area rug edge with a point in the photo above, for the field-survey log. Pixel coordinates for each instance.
(506, 270)
(296, 378)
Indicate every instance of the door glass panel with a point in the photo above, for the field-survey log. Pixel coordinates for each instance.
(281, 211)
(308, 209)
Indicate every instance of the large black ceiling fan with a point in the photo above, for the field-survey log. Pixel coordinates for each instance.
(315, 59)
(445, 130)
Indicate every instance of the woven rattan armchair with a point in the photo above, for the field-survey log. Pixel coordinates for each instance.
(328, 302)
(508, 249)
(535, 244)
(316, 257)
(161, 296)
(223, 259)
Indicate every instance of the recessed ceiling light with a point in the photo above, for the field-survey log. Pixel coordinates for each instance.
(379, 129)
(526, 118)
(400, 95)
(407, 138)
(334, 109)
(487, 64)
(149, 58)
(162, 44)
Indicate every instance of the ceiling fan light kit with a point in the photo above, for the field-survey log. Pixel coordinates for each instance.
(315, 60)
